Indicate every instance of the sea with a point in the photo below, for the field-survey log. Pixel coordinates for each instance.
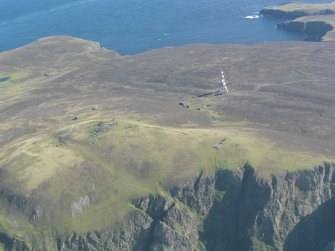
(134, 26)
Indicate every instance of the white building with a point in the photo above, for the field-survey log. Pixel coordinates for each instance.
(222, 87)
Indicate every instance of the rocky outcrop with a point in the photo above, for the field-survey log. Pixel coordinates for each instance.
(127, 235)
(156, 224)
(232, 210)
(12, 243)
(315, 30)
(277, 13)
(17, 202)
(314, 20)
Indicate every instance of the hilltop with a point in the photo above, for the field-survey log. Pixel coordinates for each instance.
(294, 10)
(88, 133)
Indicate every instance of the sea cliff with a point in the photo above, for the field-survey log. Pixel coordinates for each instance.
(317, 21)
(231, 210)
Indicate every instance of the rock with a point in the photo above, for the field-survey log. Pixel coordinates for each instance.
(104, 126)
(79, 206)
(113, 123)
(277, 13)
(219, 144)
(75, 118)
(166, 238)
(101, 127)
(45, 74)
(184, 104)
(132, 234)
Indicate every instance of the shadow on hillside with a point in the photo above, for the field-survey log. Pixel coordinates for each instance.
(231, 218)
(315, 231)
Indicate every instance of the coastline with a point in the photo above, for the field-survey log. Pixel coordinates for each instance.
(316, 21)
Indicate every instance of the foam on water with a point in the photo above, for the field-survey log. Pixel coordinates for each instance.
(252, 17)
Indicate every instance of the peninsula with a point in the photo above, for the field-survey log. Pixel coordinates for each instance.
(100, 151)
(317, 21)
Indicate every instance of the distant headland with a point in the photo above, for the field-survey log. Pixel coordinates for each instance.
(317, 21)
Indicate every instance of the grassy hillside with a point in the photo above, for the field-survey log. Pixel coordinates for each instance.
(85, 131)
(312, 7)
(113, 161)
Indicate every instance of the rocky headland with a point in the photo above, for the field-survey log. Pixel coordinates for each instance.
(317, 21)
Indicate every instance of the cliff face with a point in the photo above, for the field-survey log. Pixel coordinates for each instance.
(315, 30)
(228, 211)
(315, 20)
(282, 14)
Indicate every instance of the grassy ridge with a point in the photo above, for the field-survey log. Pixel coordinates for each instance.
(127, 160)
(307, 7)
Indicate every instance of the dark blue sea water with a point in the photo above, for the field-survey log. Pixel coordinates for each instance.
(132, 26)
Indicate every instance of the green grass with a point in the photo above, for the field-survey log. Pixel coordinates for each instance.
(139, 158)
(201, 246)
(15, 84)
(123, 163)
(219, 195)
(14, 77)
(261, 246)
(16, 225)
